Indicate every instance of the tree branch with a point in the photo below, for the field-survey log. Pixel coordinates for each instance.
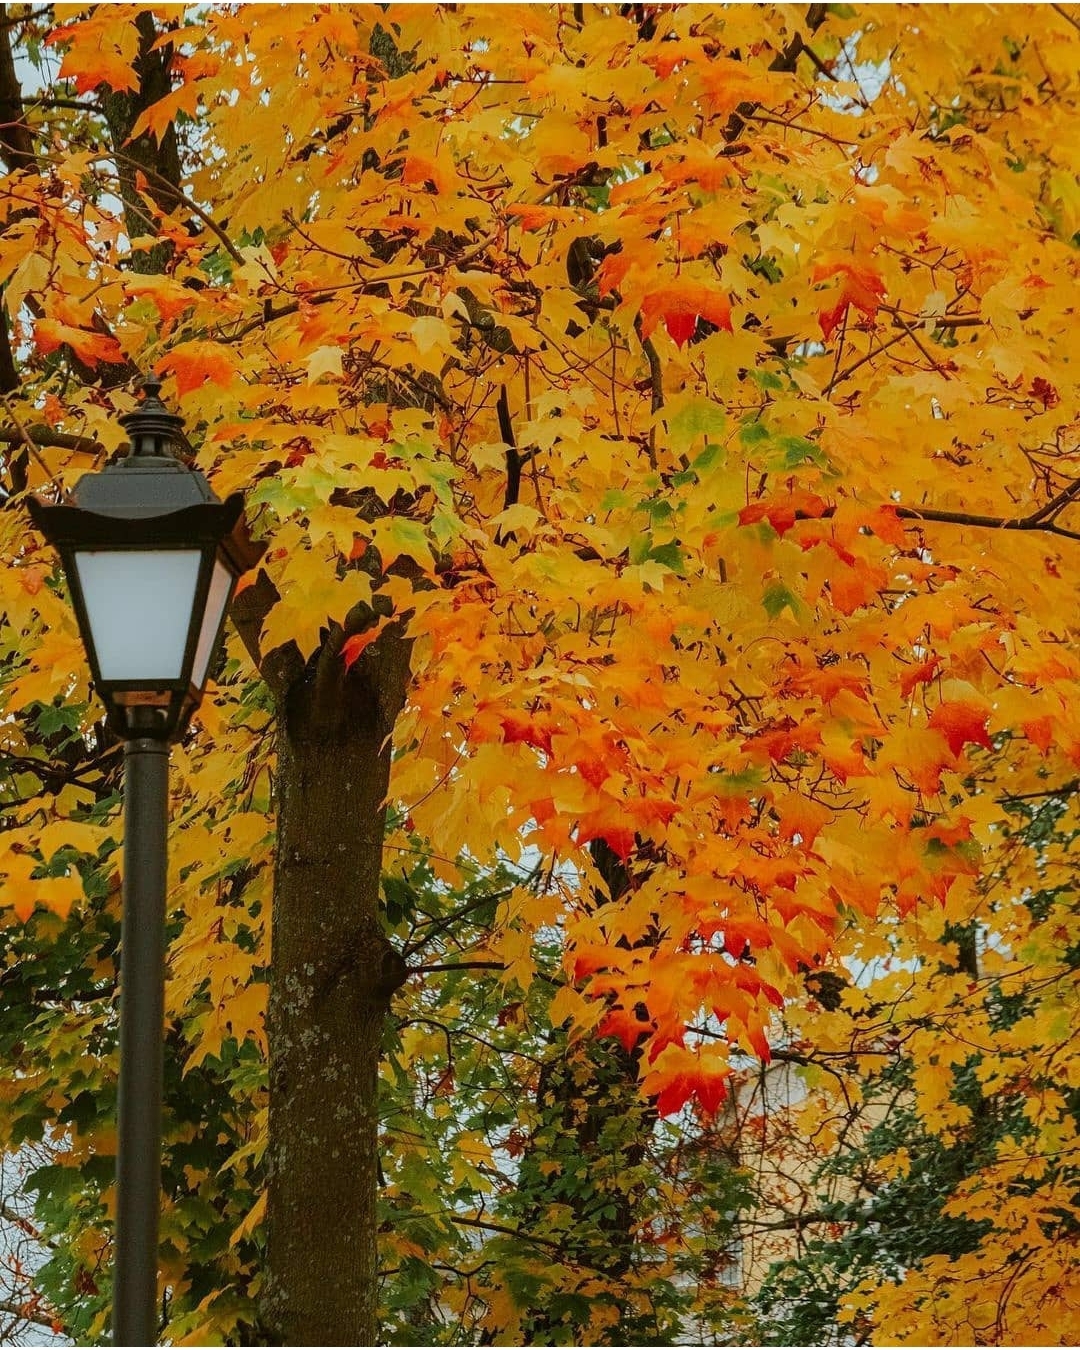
(24, 1313)
(440, 925)
(182, 199)
(48, 439)
(513, 459)
(13, 20)
(785, 61)
(455, 965)
(1038, 520)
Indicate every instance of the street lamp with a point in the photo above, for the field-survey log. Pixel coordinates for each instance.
(151, 558)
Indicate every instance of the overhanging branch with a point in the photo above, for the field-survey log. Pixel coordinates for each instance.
(1043, 519)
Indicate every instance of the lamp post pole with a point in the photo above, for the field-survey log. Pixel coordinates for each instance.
(142, 1016)
(151, 558)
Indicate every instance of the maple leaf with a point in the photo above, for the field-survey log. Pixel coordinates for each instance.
(609, 823)
(920, 754)
(625, 1025)
(1040, 731)
(89, 347)
(195, 363)
(860, 285)
(520, 728)
(159, 117)
(170, 298)
(922, 673)
(100, 51)
(962, 723)
(680, 1074)
(680, 303)
(782, 515)
(801, 816)
(354, 647)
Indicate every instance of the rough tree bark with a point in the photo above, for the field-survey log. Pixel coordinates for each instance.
(157, 160)
(334, 973)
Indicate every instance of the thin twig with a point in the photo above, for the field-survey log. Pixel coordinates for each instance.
(913, 335)
(816, 61)
(455, 965)
(36, 101)
(25, 439)
(440, 925)
(196, 210)
(841, 376)
(797, 126)
(1056, 504)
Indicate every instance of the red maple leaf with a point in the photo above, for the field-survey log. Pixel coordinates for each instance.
(859, 286)
(680, 304)
(961, 723)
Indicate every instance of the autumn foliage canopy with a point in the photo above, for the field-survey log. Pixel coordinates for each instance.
(695, 389)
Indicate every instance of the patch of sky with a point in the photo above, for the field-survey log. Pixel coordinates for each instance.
(22, 1322)
(869, 78)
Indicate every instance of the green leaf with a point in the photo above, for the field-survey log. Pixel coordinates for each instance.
(669, 555)
(712, 454)
(753, 433)
(797, 450)
(53, 718)
(696, 417)
(640, 548)
(614, 498)
(778, 597)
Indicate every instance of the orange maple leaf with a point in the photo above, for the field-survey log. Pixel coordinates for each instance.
(169, 296)
(609, 823)
(961, 723)
(196, 362)
(802, 816)
(859, 286)
(1040, 732)
(920, 674)
(626, 1025)
(94, 56)
(680, 304)
(589, 957)
(782, 515)
(352, 648)
(681, 1074)
(525, 729)
(853, 587)
(159, 117)
(89, 347)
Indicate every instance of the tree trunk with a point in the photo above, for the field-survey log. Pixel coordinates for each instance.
(334, 975)
(157, 159)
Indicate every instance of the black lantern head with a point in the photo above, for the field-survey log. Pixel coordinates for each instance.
(151, 558)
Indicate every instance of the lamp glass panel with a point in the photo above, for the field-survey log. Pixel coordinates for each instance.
(139, 604)
(216, 600)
